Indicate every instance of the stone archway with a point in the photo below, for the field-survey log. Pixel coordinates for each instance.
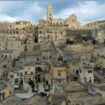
(39, 75)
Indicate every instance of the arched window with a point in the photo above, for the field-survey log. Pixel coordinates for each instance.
(90, 80)
(73, 20)
(77, 72)
(31, 73)
(59, 73)
(17, 32)
(10, 32)
(37, 58)
(3, 95)
(85, 79)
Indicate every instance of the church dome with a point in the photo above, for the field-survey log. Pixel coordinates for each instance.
(73, 17)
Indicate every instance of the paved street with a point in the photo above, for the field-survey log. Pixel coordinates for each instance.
(41, 87)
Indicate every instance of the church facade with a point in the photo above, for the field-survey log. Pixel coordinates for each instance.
(55, 29)
(71, 22)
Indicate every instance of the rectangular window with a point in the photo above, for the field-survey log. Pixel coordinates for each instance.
(0, 97)
(16, 81)
(25, 72)
(59, 74)
(31, 73)
(89, 71)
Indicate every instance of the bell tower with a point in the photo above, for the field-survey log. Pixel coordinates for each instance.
(49, 12)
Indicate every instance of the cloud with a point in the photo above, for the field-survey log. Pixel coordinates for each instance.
(86, 11)
(20, 10)
(34, 10)
(7, 18)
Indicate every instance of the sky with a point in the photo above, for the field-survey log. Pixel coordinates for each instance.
(34, 10)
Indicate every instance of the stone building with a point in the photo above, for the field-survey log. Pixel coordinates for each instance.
(24, 74)
(15, 25)
(78, 35)
(99, 35)
(86, 74)
(83, 99)
(57, 99)
(58, 73)
(5, 25)
(54, 29)
(19, 29)
(5, 91)
(72, 22)
(35, 100)
(49, 13)
(94, 25)
(12, 100)
(13, 44)
(20, 33)
(49, 33)
(22, 24)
